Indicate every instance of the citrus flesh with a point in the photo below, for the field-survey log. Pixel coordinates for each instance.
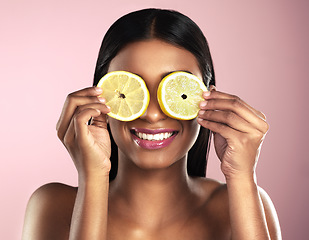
(179, 95)
(125, 93)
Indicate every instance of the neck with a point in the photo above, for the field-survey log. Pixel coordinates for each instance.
(151, 196)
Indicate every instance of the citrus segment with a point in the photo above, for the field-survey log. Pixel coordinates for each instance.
(179, 95)
(125, 93)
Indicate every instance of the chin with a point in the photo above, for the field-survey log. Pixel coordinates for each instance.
(158, 161)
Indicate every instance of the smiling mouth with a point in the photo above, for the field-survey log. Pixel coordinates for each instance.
(153, 139)
(157, 135)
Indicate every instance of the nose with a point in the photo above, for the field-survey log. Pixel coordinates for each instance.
(153, 113)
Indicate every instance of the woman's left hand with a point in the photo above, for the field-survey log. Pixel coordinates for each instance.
(238, 129)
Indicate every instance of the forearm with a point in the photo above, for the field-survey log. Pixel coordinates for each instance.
(247, 214)
(89, 219)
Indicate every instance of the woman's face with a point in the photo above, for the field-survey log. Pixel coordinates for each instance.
(152, 60)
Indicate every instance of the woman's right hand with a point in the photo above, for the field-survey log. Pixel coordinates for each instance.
(88, 145)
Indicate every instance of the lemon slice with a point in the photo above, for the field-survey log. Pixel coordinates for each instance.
(126, 94)
(179, 95)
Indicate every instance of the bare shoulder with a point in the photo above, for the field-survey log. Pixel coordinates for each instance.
(212, 212)
(212, 188)
(49, 212)
(216, 205)
(216, 195)
(218, 191)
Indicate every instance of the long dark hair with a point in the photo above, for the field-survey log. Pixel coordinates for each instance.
(172, 27)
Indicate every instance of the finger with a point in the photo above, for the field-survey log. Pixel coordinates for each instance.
(81, 120)
(89, 91)
(71, 103)
(237, 106)
(224, 130)
(212, 88)
(217, 94)
(104, 109)
(78, 124)
(99, 121)
(230, 106)
(228, 118)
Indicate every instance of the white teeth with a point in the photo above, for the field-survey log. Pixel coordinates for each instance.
(154, 137)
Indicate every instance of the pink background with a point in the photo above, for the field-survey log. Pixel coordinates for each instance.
(49, 48)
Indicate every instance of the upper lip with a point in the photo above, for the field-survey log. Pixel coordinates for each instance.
(153, 131)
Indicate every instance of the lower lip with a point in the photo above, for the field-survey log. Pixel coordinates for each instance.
(152, 145)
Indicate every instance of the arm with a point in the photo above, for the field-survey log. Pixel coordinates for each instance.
(239, 131)
(89, 219)
(89, 147)
(252, 214)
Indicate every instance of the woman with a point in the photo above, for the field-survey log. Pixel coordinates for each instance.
(128, 191)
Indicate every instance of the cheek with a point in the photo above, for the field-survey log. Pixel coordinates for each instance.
(186, 139)
(122, 136)
(191, 131)
(117, 130)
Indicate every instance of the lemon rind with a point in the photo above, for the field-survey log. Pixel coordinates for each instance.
(162, 90)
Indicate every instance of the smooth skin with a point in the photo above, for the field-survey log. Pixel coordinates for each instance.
(152, 196)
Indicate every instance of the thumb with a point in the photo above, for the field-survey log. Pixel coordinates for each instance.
(212, 88)
(100, 121)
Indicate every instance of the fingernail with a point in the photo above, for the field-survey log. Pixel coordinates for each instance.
(203, 104)
(206, 94)
(98, 89)
(200, 120)
(201, 112)
(102, 100)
